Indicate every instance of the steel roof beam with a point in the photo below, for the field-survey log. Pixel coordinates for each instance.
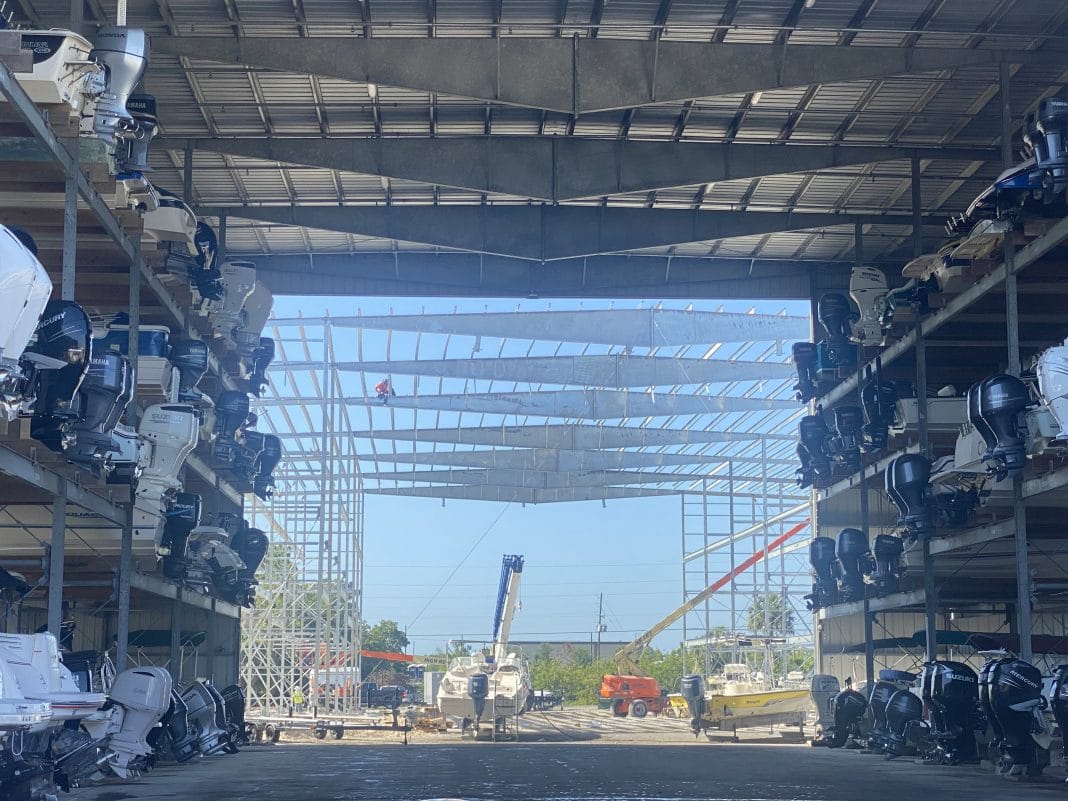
(560, 169)
(588, 404)
(520, 494)
(545, 233)
(580, 75)
(556, 460)
(540, 479)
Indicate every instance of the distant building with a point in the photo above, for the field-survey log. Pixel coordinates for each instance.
(564, 649)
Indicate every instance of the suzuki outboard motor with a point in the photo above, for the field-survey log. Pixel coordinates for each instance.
(848, 422)
(815, 468)
(903, 708)
(260, 360)
(211, 739)
(25, 288)
(60, 354)
(886, 553)
(822, 690)
(168, 433)
(852, 564)
(951, 692)
(868, 288)
(142, 108)
(104, 395)
(124, 53)
(692, 689)
(1015, 697)
(907, 485)
(849, 707)
(825, 587)
(805, 356)
(271, 454)
(231, 412)
(879, 401)
(190, 358)
(1002, 402)
(1052, 372)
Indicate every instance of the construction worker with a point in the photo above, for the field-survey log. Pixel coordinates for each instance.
(384, 389)
(298, 698)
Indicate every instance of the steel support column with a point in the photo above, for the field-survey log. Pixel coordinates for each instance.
(175, 663)
(122, 624)
(56, 554)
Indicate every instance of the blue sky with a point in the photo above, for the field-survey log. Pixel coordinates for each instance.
(629, 550)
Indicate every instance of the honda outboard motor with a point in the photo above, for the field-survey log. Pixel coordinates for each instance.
(1052, 372)
(26, 289)
(260, 360)
(951, 692)
(142, 108)
(1016, 701)
(168, 433)
(692, 689)
(1002, 401)
(234, 699)
(104, 395)
(271, 454)
(886, 554)
(907, 485)
(805, 356)
(903, 708)
(849, 707)
(822, 690)
(60, 354)
(825, 587)
(190, 358)
(879, 401)
(868, 288)
(231, 413)
(815, 470)
(848, 422)
(211, 739)
(852, 563)
(124, 53)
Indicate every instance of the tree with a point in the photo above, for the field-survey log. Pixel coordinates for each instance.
(770, 614)
(385, 635)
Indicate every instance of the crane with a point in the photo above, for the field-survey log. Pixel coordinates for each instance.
(507, 599)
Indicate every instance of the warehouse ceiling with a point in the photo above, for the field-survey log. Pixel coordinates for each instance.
(650, 148)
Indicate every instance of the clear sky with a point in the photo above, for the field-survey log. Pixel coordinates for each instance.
(627, 550)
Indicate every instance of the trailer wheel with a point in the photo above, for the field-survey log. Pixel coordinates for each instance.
(320, 733)
(639, 709)
(339, 733)
(257, 734)
(271, 733)
(619, 708)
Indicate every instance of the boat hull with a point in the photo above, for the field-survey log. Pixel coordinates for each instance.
(755, 708)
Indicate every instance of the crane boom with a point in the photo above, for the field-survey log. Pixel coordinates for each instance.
(507, 597)
(624, 656)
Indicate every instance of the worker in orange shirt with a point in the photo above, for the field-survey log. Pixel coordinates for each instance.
(384, 389)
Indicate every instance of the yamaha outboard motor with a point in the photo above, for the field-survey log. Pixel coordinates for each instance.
(907, 485)
(852, 563)
(271, 454)
(478, 692)
(231, 413)
(815, 468)
(142, 108)
(60, 352)
(825, 587)
(849, 707)
(805, 356)
(975, 415)
(951, 692)
(879, 401)
(261, 359)
(886, 554)
(124, 53)
(103, 397)
(692, 689)
(190, 358)
(904, 708)
(848, 422)
(1016, 700)
(822, 691)
(181, 519)
(1003, 399)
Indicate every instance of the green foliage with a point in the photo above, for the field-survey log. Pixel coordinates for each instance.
(770, 614)
(578, 677)
(385, 635)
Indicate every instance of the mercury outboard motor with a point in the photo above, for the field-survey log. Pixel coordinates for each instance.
(879, 401)
(124, 53)
(692, 689)
(907, 485)
(815, 468)
(478, 692)
(231, 413)
(951, 692)
(1052, 372)
(103, 397)
(825, 587)
(60, 352)
(261, 359)
(1003, 399)
(271, 454)
(886, 555)
(250, 544)
(845, 446)
(904, 708)
(181, 519)
(805, 356)
(142, 108)
(849, 707)
(1016, 701)
(852, 563)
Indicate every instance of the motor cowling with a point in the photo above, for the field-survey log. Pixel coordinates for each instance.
(246, 465)
(692, 689)
(60, 353)
(879, 401)
(204, 273)
(903, 708)
(190, 358)
(805, 357)
(848, 422)
(1015, 693)
(1052, 372)
(183, 741)
(867, 288)
(261, 359)
(234, 700)
(1046, 134)
(478, 692)
(1003, 399)
(907, 484)
(849, 707)
(142, 110)
(816, 468)
(124, 54)
(1060, 697)
(102, 400)
(835, 316)
(886, 553)
(250, 544)
(821, 557)
(231, 412)
(271, 454)
(182, 517)
(851, 564)
(951, 692)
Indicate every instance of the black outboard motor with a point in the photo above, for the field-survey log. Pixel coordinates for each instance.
(815, 470)
(103, 397)
(986, 680)
(886, 553)
(174, 739)
(271, 454)
(879, 401)
(261, 359)
(1003, 399)
(234, 700)
(848, 422)
(60, 352)
(835, 316)
(907, 485)
(204, 272)
(692, 689)
(975, 415)
(246, 464)
(142, 108)
(890, 682)
(951, 692)
(825, 587)
(1016, 701)
(904, 708)
(1046, 136)
(231, 413)
(190, 358)
(182, 518)
(849, 707)
(251, 545)
(221, 720)
(478, 691)
(805, 356)
(852, 564)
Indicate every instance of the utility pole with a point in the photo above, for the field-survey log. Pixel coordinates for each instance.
(600, 622)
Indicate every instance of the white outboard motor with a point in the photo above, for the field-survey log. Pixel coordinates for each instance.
(123, 52)
(211, 739)
(868, 289)
(140, 697)
(63, 73)
(823, 690)
(1052, 370)
(167, 434)
(172, 221)
(255, 312)
(238, 282)
(25, 288)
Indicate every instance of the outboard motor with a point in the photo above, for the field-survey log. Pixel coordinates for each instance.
(246, 464)
(142, 108)
(907, 485)
(190, 359)
(822, 690)
(886, 554)
(825, 587)
(238, 281)
(848, 422)
(254, 315)
(27, 288)
(221, 719)
(173, 740)
(692, 689)
(59, 353)
(852, 563)
(836, 317)
(104, 395)
(1059, 699)
(478, 691)
(1002, 401)
(142, 695)
(904, 708)
(1052, 372)
(204, 274)
(815, 468)
(889, 684)
(209, 551)
(154, 371)
(181, 519)
(1046, 136)
(868, 288)
(849, 707)
(951, 692)
(260, 359)
(271, 454)
(879, 401)
(211, 739)
(168, 433)
(234, 699)
(231, 413)
(124, 53)
(1016, 701)
(250, 545)
(805, 356)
